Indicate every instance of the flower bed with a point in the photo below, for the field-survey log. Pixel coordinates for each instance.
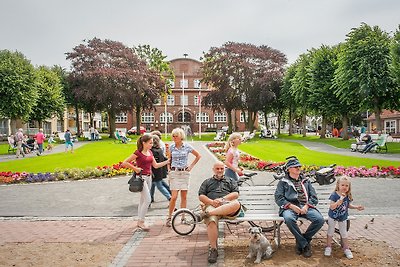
(63, 174)
(250, 162)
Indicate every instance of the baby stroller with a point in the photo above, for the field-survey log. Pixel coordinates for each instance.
(29, 146)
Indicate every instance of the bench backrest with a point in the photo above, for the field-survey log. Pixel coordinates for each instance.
(261, 199)
(375, 137)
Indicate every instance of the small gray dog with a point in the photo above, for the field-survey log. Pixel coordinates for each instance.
(259, 245)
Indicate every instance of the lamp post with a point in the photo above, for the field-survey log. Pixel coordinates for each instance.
(199, 102)
(183, 97)
(165, 112)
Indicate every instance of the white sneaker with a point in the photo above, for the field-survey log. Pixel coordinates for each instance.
(348, 254)
(328, 251)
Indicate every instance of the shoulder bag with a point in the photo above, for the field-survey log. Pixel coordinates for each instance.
(136, 182)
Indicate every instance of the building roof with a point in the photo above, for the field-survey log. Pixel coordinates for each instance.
(386, 114)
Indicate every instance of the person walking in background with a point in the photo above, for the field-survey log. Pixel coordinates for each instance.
(50, 142)
(159, 174)
(68, 141)
(39, 137)
(232, 157)
(19, 137)
(341, 200)
(92, 133)
(144, 161)
(296, 197)
(179, 173)
(163, 149)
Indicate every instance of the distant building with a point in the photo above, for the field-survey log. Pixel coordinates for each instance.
(390, 121)
(182, 105)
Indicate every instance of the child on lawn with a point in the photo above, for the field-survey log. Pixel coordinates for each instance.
(338, 212)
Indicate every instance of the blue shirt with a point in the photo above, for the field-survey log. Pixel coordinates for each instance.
(340, 213)
(179, 156)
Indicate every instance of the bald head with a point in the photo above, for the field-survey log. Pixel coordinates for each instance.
(219, 169)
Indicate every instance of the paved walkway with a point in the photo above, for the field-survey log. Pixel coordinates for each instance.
(161, 246)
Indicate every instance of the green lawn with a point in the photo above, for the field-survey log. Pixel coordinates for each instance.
(278, 150)
(108, 152)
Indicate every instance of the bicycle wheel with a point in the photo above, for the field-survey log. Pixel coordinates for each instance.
(183, 222)
(264, 225)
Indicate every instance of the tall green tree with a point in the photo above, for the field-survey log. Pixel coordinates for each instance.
(286, 96)
(322, 98)
(111, 75)
(51, 100)
(156, 62)
(301, 86)
(395, 68)
(363, 73)
(18, 86)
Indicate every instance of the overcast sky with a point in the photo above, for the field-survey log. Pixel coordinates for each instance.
(44, 30)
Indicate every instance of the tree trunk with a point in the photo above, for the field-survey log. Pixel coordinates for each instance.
(304, 123)
(230, 124)
(78, 124)
(345, 123)
(322, 133)
(111, 122)
(138, 119)
(378, 123)
(279, 123)
(291, 118)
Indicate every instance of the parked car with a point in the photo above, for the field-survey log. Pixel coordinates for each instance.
(133, 130)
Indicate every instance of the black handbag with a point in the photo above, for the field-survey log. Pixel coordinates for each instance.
(136, 182)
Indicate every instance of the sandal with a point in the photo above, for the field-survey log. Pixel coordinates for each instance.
(168, 222)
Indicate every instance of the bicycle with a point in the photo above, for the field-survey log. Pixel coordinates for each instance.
(184, 220)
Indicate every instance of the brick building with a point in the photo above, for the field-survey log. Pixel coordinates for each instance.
(182, 107)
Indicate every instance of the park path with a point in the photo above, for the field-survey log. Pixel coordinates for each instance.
(104, 211)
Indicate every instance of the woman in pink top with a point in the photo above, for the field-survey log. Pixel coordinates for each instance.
(232, 157)
(144, 160)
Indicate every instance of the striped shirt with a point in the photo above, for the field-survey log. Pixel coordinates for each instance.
(179, 156)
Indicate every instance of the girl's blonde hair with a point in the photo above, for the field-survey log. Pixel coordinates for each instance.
(179, 132)
(229, 143)
(344, 179)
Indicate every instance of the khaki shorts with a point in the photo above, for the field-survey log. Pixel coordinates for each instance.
(215, 218)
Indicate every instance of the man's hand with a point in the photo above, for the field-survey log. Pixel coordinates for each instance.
(295, 208)
(304, 210)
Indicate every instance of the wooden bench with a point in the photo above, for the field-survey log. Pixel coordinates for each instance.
(374, 137)
(261, 207)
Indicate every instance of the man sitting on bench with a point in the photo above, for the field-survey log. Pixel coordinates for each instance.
(379, 142)
(296, 197)
(220, 195)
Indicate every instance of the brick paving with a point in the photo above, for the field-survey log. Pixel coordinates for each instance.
(161, 246)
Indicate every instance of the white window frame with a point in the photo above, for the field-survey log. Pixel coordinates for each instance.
(184, 100)
(185, 83)
(392, 127)
(220, 117)
(172, 83)
(121, 118)
(169, 116)
(204, 117)
(147, 117)
(242, 116)
(170, 100)
(196, 83)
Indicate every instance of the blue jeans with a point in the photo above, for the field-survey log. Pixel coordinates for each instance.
(40, 146)
(162, 187)
(313, 215)
(230, 173)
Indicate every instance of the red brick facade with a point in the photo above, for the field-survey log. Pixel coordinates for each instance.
(188, 72)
